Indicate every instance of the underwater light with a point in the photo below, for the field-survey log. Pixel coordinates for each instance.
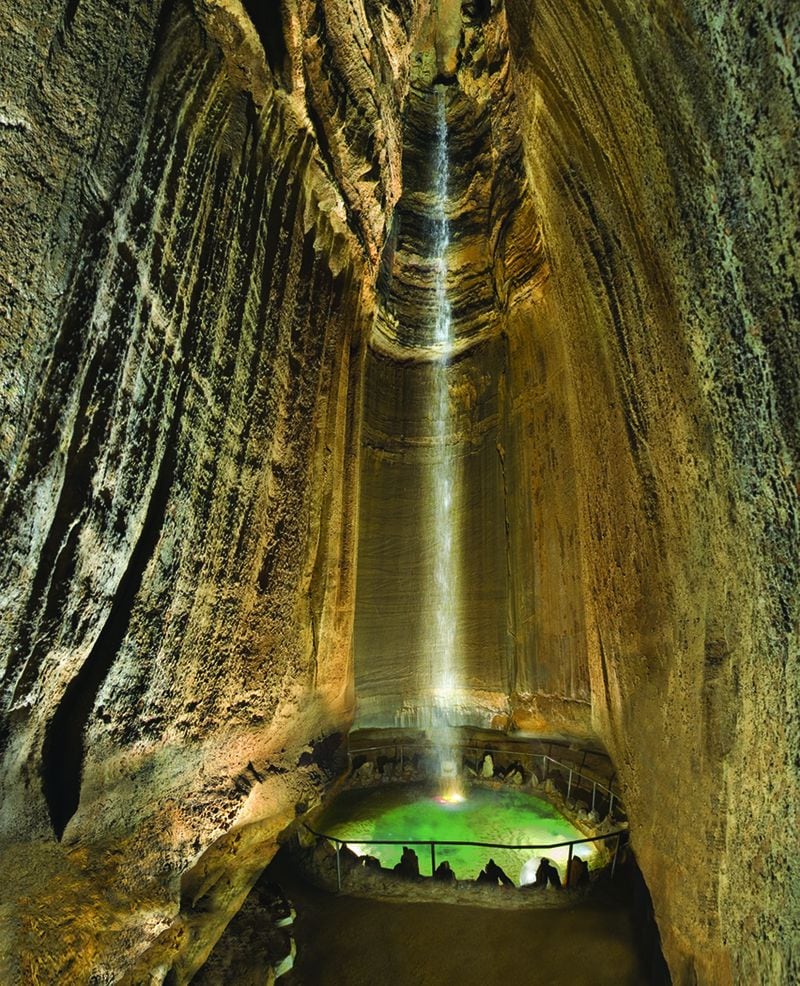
(451, 798)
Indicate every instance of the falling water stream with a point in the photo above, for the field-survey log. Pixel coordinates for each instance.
(444, 487)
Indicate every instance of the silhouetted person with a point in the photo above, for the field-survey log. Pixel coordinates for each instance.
(546, 873)
(541, 874)
(444, 873)
(408, 866)
(494, 874)
(578, 872)
(347, 856)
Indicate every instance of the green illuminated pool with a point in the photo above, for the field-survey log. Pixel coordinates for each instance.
(413, 812)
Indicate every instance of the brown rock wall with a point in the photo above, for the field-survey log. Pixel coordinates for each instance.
(193, 207)
(188, 297)
(70, 102)
(544, 551)
(660, 145)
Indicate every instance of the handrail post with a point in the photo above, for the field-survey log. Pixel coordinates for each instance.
(569, 785)
(594, 793)
(544, 766)
(614, 860)
(433, 858)
(338, 869)
(611, 803)
(569, 866)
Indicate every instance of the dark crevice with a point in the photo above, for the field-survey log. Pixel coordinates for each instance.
(477, 11)
(57, 560)
(647, 937)
(62, 750)
(70, 10)
(268, 21)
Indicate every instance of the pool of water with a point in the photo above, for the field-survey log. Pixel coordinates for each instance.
(410, 811)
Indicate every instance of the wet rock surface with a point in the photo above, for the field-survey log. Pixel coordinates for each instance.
(663, 166)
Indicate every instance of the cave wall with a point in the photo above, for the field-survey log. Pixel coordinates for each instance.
(190, 229)
(395, 671)
(518, 628)
(662, 146)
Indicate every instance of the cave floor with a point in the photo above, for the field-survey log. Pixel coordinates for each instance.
(352, 941)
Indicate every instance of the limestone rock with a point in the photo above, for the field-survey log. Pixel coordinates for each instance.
(185, 249)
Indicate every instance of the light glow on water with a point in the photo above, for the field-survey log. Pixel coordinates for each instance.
(409, 812)
(452, 797)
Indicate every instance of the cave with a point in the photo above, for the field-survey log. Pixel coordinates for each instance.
(383, 373)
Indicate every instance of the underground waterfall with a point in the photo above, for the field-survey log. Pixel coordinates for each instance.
(445, 671)
(266, 534)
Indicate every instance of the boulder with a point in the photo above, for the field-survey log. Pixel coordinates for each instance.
(366, 772)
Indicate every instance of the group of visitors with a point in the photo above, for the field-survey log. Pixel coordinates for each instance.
(546, 874)
(494, 874)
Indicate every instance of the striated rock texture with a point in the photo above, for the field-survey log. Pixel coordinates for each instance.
(662, 143)
(518, 632)
(190, 223)
(203, 275)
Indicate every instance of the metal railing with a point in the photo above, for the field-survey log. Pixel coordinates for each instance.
(573, 773)
(433, 843)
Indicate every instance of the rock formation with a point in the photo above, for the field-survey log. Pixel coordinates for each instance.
(665, 161)
(213, 258)
(186, 288)
(520, 630)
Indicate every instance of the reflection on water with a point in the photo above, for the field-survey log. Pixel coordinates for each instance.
(412, 812)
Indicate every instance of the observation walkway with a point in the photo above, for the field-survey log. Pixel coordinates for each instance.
(432, 844)
(402, 761)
